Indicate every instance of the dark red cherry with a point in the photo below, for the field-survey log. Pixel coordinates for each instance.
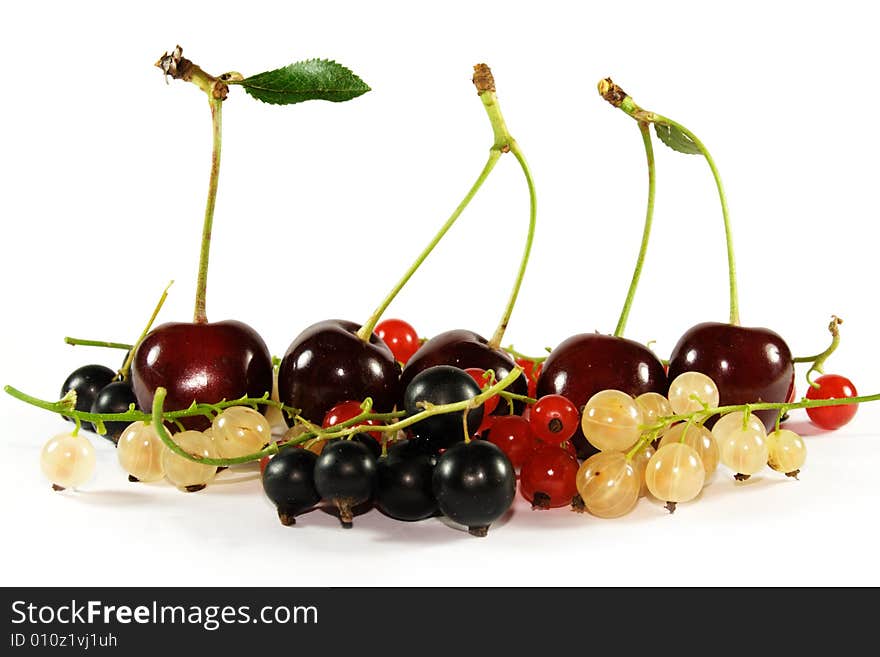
(328, 363)
(203, 363)
(588, 363)
(747, 364)
(461, 348)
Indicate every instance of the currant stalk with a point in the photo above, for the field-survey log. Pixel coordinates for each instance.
(503, 143)
(679, 138)
(97, 343)
(817, 362)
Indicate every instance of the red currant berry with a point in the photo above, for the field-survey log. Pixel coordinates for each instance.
(479, 375)
(832, 386)
(554, 419)
(263, 463)
(567, 446)
(549, 477)
(345, 411)
(401, 338)
(514, 436)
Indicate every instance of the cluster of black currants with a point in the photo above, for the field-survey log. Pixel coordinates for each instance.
(101, 390)
(438, 469)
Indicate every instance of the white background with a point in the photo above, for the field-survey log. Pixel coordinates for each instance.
(103, 171)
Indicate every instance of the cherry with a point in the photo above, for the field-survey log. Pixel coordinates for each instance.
(401, 338)
(115, 397)
(403, 482)
(514, 436)
(474, 484)
(747, 364)
(288, 479)
(548, 477)
(328, 363)
(345, 411)
(345, 474)
(438, 385)
(462, 348)
(554, 419)
(832, 386)
(585, 364)
(87, 382)
(200, 362)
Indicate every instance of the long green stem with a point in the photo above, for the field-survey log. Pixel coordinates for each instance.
(97, 343)
(498, 336)
(646, 232)
(818, 361)
(728, 233)
(367, 329)
(123, 373)
(199, 316)
(158, 418)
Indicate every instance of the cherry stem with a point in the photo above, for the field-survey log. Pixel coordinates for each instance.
(646, 232)
(158, 418)
(818, 361)
(620, 99)
(728, 233)
(366, 330)
(97, 343)
(123, 373)
(495, 342)
(199, 316)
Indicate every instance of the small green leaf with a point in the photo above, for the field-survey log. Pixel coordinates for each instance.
(676, 139)
(314, 79)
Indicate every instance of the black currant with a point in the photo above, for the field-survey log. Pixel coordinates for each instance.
(289, 481)
(403, 482)
(87, 382)
(442, 384)
(115, 397)
(474, 484)
(345, 474)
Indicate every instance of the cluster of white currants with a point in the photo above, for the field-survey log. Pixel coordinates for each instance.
(68, 461)
(658, 445)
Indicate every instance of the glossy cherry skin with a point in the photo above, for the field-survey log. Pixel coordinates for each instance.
(585, 364)
(747, 364)
(463, 349)
(832, 386)
(203, 363)
(328, 363)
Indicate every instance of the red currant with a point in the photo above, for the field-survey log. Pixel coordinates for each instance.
(401, 338)
(532, 370)
(345, 411)
(514, 436)
(567, 446)
(549, 477)
(554, 419)
(832, 386)
(479, 375)
(263, 463)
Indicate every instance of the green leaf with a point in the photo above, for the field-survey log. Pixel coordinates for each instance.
(313, 79)
(676, 139)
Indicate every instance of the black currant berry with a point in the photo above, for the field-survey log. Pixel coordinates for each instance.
(115, 397)
(403, 482)
(289, 481)
(442, 384)
(87, 382)
(345, 474)
(474, 484)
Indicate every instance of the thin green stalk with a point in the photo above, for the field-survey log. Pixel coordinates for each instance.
(818, 361)
(97, 343)
(123, 373)
(200, 316)
(495, 342)
(728, 233)
(367, 329)
(646, 232)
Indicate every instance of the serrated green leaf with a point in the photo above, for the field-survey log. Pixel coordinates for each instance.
(313, 79)
(676, 139)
